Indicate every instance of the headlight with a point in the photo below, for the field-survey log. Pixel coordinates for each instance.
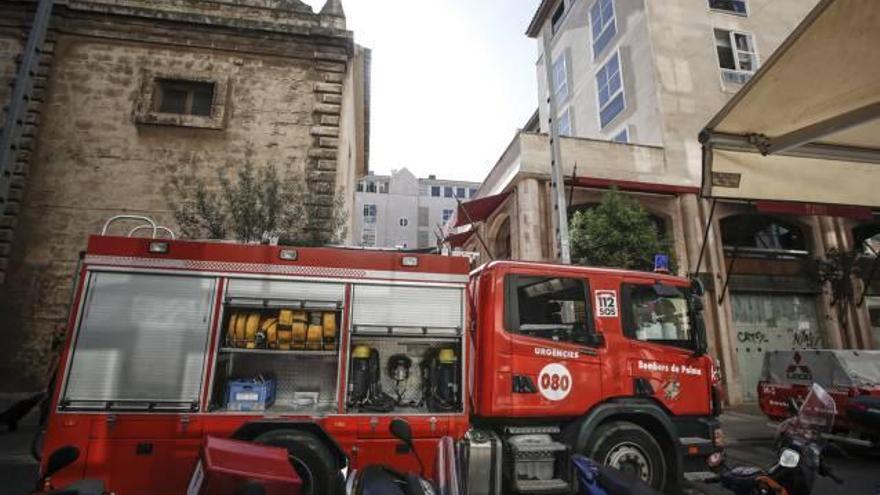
(789, 458)
(715, 460)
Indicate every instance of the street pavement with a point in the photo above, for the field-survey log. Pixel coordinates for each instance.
(749, 440)
(18, 470)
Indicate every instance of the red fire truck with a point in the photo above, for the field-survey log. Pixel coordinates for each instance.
(318, 349)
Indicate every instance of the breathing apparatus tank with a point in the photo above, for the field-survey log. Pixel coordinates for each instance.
(440, 379)
(447, 374)
(360, 374)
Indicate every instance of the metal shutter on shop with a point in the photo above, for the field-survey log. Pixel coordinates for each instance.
(141, 338)
(399, 307)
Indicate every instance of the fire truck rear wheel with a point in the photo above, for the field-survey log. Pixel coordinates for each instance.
(630, 449)
(310, 458)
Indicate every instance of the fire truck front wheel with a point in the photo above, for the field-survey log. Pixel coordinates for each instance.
(311, 459)
(630, 449)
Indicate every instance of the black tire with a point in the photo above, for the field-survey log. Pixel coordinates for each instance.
(629, 448)
(310, 458)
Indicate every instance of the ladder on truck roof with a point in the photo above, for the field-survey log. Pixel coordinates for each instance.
(148, 223)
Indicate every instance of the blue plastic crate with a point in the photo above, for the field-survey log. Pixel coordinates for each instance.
(250, 394)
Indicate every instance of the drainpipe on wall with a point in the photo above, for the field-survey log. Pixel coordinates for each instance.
(557, 181)
(726, 329)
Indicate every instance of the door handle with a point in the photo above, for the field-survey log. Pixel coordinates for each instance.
(589, 351)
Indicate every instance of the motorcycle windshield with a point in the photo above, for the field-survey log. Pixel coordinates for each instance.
(818, 410)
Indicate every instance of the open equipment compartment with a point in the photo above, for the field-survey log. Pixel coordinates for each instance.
(278, 347)
(406, 353)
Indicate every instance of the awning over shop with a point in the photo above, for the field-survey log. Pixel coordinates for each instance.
(806, 127)
(458, 239)
(789, 208)
(478, 209)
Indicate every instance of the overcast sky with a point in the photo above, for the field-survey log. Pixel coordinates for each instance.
(452, 80)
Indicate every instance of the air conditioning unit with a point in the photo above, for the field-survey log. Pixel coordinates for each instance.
(735, 76)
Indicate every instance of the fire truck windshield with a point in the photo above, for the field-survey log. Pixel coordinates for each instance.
(659, 317)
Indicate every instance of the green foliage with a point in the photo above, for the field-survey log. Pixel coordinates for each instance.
(617, 233)
(250, 204)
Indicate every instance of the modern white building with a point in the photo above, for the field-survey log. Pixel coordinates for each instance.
(653, 72)
(403, 211)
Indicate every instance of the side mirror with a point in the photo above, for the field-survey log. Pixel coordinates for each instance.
(701, 340)
(60, 459)
(697, 287)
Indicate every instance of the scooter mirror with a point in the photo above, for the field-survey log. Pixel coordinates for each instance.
(401, 430)
(60, 459)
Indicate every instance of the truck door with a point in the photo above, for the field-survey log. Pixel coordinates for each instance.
(549, 323)
(662, 361)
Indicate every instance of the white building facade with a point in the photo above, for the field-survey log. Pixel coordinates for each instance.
(653, 72)
(403, 211)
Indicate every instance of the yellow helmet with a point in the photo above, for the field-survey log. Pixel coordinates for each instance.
(447, 356)
(361, 352)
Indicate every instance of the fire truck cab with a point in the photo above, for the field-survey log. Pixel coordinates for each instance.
(318, 349)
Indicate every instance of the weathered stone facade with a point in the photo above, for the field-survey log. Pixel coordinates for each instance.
(286, 92)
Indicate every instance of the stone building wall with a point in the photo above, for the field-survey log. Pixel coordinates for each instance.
(10, 45)
(279, 73)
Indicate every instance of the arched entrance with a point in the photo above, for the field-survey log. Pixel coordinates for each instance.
(866, 240)
(658, 224)
(772, 300)
(500, 239)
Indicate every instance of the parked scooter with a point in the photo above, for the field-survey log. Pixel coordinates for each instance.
(801, 446)
(596, 479)
(382, 480)
(58, 460)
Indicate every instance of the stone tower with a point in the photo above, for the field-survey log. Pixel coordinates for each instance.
(131, 91)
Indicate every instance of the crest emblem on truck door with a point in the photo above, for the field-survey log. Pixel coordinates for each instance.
(671, 389)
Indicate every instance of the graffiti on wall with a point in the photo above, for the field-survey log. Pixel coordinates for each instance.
(756, 337)
(806, 339)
